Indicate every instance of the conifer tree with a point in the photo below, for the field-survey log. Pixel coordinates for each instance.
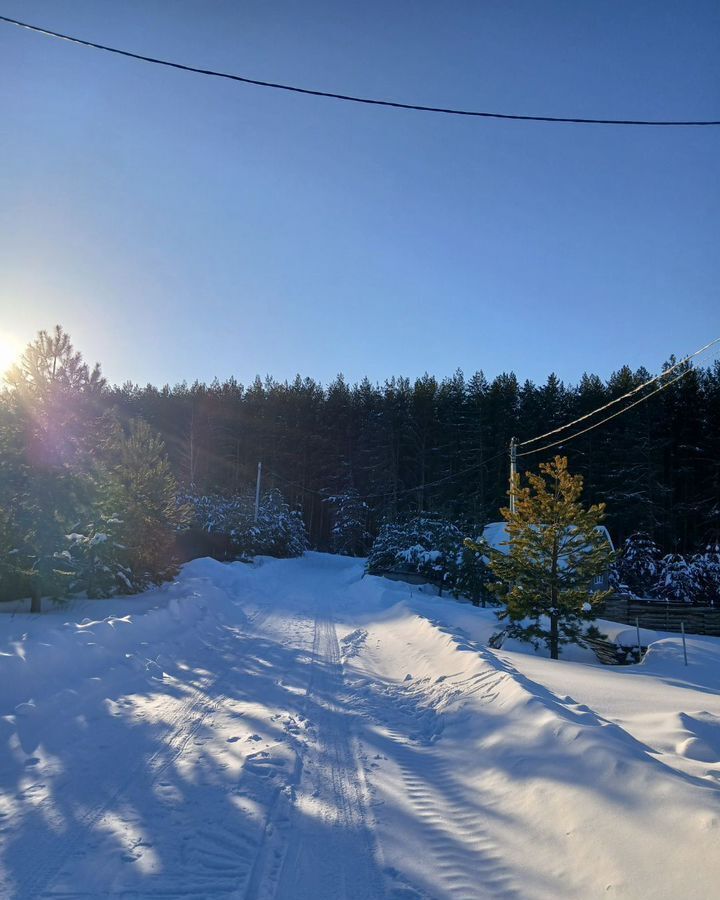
(50, 430)
(678, 581)
(139, 494)
(349, 533)
(471, 576)
(555, 551)
(639, 564)
(707, 573)
(8, 568)
(59, 397)
(99, 560)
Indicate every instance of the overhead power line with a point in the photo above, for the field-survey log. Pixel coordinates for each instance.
(572, 437)
(368, 101)
(326, 495)
(617, 400)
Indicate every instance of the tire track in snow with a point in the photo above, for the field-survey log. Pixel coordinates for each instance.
(466, 858)
(467, 862)
(321, 846)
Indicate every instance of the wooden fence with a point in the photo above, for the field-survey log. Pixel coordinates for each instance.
(654, 615)
(660, 616)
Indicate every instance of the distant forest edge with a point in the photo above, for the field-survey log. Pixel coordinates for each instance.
(441, 446)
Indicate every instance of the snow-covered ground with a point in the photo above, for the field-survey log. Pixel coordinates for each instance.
(294, 730)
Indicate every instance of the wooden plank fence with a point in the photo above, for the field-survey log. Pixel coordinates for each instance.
(659, 616)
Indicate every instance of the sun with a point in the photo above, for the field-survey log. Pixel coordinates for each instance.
(10, 350)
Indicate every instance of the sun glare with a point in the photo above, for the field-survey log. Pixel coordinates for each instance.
(10, 350)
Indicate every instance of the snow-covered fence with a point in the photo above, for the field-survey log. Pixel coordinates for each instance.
(410, 577)
(424, 546)
(613, 654)
(660, 616)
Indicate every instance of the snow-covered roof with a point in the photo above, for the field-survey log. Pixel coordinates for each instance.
(495, 534)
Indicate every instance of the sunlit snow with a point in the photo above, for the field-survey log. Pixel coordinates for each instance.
(296, 730)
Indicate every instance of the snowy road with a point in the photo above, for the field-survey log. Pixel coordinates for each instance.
(294, 731)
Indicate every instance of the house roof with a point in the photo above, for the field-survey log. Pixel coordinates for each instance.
(495, 534)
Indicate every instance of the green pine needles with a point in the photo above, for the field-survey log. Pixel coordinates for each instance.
(556, 553)
(88, 501)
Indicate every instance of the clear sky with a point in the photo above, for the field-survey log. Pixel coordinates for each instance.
(183, 227)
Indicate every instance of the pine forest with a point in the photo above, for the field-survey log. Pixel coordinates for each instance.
(441, 446)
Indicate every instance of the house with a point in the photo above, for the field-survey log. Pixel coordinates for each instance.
(495, 535)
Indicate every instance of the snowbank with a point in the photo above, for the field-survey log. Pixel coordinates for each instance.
(294, 729)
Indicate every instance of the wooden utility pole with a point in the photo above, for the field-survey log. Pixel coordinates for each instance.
(513, 472)
(257, 491)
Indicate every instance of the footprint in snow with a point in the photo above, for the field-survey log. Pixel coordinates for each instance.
(232, 740)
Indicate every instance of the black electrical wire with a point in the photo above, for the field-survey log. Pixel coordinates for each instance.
(617, 400)
(368, 101)
(577, 434)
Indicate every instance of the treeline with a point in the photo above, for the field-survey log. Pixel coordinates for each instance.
(98, 483)
(440, 447)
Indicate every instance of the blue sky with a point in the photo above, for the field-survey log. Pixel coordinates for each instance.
(182, 227)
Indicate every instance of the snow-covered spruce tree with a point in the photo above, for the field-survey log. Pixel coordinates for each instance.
(471, 575)
(638, 564)
(424, 546)
(139, 495)
(99, 561)
(278, 531)
(383, 553)
(349, 533)
(678, 580)
(707, 572)
(217, 514)
(555, 551)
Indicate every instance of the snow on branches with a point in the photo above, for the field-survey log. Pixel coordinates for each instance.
(277, 531)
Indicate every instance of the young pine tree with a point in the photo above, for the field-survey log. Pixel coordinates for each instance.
(555, 551)
(50, 421)
(60, 400)
(139, 495)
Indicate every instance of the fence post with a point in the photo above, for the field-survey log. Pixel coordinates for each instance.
(637, 629)
(682, 629)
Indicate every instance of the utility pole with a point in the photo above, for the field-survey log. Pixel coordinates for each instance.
(513, 472)
(257, 491)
